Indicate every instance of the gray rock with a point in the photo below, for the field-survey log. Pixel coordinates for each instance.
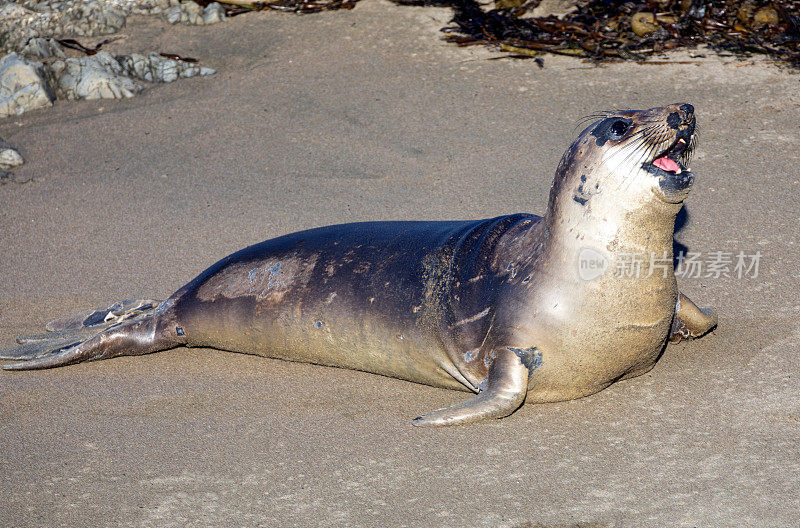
(157, 68)
(27, 19)
(192, 13)
(10, 158)
(114, 19)
(213, 13)
(22, 86)
(193, 8)
(10, 10)
(30, 27)
(103, 76)
(99, 76)
(173, 15)
(43, 48)
(20, 23)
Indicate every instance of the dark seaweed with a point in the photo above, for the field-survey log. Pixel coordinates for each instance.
(600, 30)
(74, 44)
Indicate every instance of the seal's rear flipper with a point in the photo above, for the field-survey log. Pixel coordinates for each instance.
(505, 391)
(124, 328)
(102, 317)
(35, 349)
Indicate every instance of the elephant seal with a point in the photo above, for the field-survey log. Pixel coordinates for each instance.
(512, 308)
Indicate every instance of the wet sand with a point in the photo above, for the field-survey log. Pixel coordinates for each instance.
(365, 115)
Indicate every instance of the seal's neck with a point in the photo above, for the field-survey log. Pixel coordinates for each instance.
(617, 225)
(615, 218)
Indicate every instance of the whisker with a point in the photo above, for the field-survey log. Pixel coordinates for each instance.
(686, 156)
(629, 151)
(582, 122)
(636, 141)
(652, 138)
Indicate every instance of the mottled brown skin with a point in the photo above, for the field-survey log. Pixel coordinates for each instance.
(401, 293)
(495, 306)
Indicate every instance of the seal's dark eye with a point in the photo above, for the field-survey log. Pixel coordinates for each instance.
(619, 128)
(611, 129)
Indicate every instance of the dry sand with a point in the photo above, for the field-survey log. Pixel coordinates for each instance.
(360, 115)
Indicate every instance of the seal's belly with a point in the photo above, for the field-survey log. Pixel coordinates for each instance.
(332, 335)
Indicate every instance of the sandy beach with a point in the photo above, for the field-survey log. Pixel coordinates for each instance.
(368, 115)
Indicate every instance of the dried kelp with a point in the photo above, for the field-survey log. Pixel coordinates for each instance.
(237, 7)
(310, 6)
(605, 30)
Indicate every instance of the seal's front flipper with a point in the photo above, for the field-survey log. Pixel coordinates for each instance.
(691, 321)
(505, 391)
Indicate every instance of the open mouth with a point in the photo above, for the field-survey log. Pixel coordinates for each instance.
(669, 166)
(673, 158)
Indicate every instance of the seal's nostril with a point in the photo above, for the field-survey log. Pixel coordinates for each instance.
(688, 110)
(674, 120)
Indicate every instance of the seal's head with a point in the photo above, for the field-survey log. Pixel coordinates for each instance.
(664, 140)
(628, 159)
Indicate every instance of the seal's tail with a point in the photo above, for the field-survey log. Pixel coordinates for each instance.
(88, 335)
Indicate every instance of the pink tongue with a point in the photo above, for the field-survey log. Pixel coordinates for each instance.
(667, 164)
